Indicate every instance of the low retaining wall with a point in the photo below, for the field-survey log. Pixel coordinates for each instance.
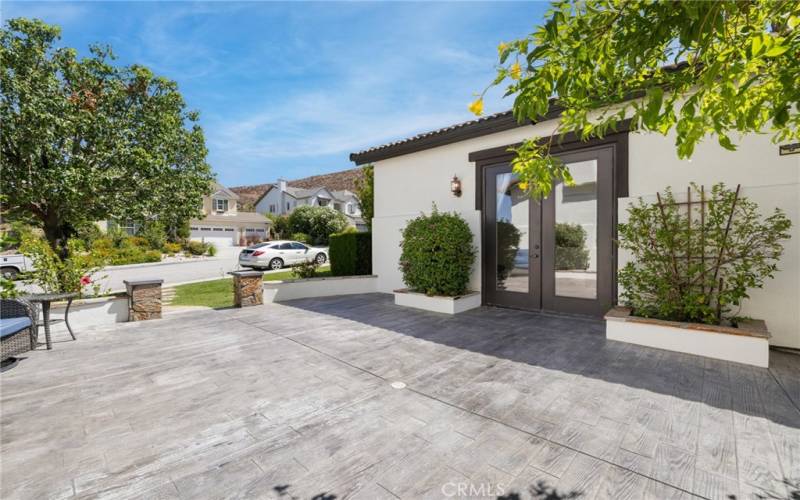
(748, 344)
(279, 291)
(84, 313)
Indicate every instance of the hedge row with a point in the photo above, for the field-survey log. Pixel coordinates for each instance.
(351, 254)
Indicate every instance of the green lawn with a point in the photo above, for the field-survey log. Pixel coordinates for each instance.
(219, 293)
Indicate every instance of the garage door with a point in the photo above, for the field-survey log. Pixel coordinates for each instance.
(219, 236)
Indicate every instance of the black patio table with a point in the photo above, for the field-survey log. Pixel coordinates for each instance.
(45, 299)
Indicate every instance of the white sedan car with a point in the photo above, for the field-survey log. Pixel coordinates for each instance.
(279, 254)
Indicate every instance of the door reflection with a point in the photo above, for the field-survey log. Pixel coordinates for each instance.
(512, 214)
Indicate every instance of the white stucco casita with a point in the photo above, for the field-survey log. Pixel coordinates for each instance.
(412, 175)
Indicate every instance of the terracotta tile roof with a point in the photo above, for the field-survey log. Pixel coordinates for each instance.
(504, 115)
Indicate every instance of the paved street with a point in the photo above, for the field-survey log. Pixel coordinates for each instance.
(354, 397)
(179, 272)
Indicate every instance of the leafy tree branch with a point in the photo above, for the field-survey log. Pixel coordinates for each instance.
(697, 69)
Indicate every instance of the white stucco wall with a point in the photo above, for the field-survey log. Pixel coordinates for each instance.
(410, 184)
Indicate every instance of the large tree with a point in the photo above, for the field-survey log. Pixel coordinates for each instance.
(85, 140)
(700, 69)
(365, 192)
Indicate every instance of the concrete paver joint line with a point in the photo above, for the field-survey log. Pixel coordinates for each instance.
(434, 398)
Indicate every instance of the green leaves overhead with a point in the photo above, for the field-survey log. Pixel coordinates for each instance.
(85, 140)
(699, 69)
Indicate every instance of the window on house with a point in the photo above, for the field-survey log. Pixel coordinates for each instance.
(288, 205)
(351, 209)
(220, 205)
(130, 227)
(273, 208)
(323, 202)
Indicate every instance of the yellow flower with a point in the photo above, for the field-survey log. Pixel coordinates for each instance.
(515, 71)
(502, 48)
(523, 186)
(477, 106)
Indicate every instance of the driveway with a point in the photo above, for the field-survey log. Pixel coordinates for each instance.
(354, 397)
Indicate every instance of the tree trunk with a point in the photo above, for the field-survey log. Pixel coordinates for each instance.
(57, 232)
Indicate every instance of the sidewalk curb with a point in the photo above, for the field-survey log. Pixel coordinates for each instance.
(156, 264)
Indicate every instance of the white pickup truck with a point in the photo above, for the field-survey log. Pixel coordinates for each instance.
(12, 265)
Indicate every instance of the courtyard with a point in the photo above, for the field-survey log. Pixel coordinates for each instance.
(354, 397)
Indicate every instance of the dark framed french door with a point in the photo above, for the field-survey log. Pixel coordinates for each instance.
(556, 253)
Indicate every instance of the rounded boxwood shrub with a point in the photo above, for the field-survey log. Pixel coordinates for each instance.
(437, 254)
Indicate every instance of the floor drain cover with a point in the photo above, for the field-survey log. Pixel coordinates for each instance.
(399, 385)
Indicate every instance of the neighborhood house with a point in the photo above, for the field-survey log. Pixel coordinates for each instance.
(466, 168)
(224, 225)
(334, 190)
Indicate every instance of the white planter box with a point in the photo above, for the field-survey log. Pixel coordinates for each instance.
(84, 313)
(437, 303)
(279, 291)
(748, 344)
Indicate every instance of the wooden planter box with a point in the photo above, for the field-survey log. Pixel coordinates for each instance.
(437, 303)
(278, 291)
(748, 344)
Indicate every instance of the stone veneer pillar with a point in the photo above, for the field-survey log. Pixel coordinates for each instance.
(248, 288)
(144, 299)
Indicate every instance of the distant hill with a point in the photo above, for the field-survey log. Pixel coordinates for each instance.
(335, 181)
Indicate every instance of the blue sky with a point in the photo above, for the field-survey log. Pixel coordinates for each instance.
(290, 89)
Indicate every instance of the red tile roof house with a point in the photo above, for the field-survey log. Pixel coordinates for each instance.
(414, 173)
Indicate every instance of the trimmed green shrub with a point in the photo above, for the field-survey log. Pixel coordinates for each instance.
(211, 250)
(319, 223)
(301, 237)
(437, 254)
(351, 254)
(571, 252)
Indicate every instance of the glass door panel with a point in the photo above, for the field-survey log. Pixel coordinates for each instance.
(576, 233)
(577, 237)
(511, 234)
(512, 275)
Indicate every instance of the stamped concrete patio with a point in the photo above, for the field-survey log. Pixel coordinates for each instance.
(299, 400)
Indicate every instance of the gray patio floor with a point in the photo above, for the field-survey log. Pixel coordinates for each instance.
(296, 400)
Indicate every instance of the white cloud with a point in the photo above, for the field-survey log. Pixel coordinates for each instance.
(60, 13)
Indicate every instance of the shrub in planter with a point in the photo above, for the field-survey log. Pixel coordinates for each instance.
(571, 252)
(437, 254)
(351, 253)
(697, 264)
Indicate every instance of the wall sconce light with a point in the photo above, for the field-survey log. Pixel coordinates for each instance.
(455, 186)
